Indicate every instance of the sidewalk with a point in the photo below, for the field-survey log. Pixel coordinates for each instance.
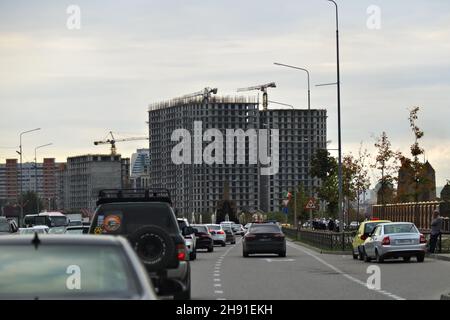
(439, 256)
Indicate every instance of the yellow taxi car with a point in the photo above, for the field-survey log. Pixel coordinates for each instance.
(365, 228)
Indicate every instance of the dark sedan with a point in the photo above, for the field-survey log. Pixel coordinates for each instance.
(264, 238)
(230, 236)
(204, 238)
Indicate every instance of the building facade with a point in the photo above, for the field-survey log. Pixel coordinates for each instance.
(197, 187)
(39, 178)
(301, 133)
(84, 176)
(140, 169)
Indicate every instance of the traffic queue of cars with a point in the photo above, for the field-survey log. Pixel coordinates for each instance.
(134, 248)
(382, 239)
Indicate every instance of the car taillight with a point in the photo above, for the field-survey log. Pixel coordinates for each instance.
(249, 236)
(181, 255)
(422, 239)
(278, 235)
(220, 232)
(363, 237)
(386, 241)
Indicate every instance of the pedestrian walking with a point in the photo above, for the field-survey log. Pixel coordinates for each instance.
(436, 227)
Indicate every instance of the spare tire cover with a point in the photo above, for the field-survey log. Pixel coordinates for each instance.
(154, 246)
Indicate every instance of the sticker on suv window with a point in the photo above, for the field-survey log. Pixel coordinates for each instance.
(112, 223)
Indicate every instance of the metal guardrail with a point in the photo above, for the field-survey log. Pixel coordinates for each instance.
(326, 240)
(332, 241)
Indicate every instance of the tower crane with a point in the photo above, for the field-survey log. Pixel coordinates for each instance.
(262, 88)
(205, 93)
(113, 141)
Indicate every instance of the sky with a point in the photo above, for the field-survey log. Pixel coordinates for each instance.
(79, 84)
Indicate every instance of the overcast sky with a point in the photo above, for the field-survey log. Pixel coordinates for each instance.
(80, 84)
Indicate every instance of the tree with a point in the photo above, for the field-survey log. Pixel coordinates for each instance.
(349, 173)
(226, 206)
(30, 202)
(386, 161)
(362, 180)
(300, 199)
(325, 167)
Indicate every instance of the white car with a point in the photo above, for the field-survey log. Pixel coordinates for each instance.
(35, 229)
(189, 239)
(218, 234)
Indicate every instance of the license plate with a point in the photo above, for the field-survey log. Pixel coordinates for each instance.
(264, 239)
(404, 241)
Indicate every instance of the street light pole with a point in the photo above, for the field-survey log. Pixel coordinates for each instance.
(309, 82)
(338, 82)
(35, 173)
(21, 168)
(310, 121)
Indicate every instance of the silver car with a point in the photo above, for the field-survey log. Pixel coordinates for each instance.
(218, 234)
(395, 240)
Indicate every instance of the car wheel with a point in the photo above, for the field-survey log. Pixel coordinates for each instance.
(360, 254)
(186, 294)
(421, 258)
(406, 259)
(379, 258)
(366, 257)
(234, 242)
(282, 254)
(355, 256)
(193, 255)
(224, 244)
(211, 249)
(154, 246)
(245, 254)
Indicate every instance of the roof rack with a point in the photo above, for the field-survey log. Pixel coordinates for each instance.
(134, 195)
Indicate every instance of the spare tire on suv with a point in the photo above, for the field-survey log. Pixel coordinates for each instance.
(154, 246)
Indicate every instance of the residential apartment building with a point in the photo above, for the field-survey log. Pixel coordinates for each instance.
(84, 176)
(197, 187)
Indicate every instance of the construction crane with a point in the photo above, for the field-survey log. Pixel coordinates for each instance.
(205, 93)
(262, 88)
(113, 141)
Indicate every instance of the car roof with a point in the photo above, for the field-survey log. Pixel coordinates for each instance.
(394, 223)
(379, 221)
(62, 239)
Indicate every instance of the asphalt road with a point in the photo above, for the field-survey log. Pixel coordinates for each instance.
(306, 274)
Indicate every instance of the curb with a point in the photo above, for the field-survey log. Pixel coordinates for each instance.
(437, 257)
(318, 250)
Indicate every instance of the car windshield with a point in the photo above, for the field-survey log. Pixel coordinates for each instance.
(266, 228)
(400, 228)
(369, 227)
(58, 221)
(100, 271)
(201, 229)
(125, 218)
(75, 223)
(215, 227)
(4, 227)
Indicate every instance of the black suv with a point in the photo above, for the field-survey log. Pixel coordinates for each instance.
(146, 218)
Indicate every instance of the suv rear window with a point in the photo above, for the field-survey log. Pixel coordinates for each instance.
(201, 229)
(125, 218)
(267, 228)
